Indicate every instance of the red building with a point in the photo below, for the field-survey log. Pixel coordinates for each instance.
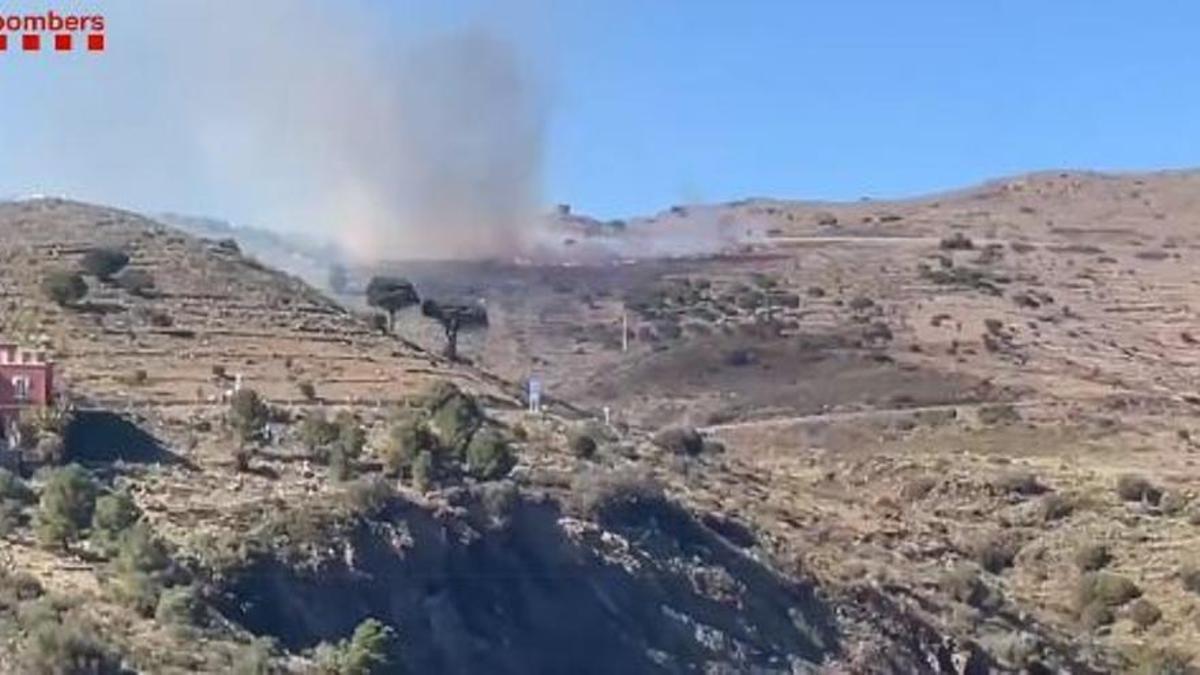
(26, 380)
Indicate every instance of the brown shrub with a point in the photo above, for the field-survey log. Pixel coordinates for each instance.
(1190, 577)
(1105, 588)
(1135, 488)
(995, 553)
(1144, 613)
(1092, 557)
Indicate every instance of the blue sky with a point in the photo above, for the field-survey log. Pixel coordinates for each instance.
(666, 101)
(649, 103)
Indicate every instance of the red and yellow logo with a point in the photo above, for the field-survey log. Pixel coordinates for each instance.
(51, 30)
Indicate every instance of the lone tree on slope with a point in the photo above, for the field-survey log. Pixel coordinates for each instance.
(391, 294)
(103, 263)
(454, 317)
(64, 288)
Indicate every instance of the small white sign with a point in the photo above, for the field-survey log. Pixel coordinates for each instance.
(535, 394)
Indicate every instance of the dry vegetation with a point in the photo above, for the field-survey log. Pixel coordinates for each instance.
(966, 421)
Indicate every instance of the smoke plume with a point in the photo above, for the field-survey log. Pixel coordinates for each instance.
(350, 121)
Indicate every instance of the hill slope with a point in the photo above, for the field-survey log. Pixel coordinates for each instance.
(570, 561)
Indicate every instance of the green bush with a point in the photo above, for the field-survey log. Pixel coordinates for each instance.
(1105, 588)
(114, 514)
(374, 649)
(307, 390)
(65, 508)
(351, 436)
(489, 456)
(454, 416)
(248, 414)
(405, 441)
(64, 288)
(68, 648)
(140, 567)
(138, 591)
(180, 606)
(15, 495)
(1092, 557)
(318, 434)
(103, 263)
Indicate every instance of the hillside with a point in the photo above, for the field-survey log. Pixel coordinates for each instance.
(909, 385)
(225, 546)
(952, 434)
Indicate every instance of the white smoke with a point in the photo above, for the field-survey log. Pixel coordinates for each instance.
(334, 120)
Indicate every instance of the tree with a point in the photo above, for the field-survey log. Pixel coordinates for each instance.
(103, 263)
(391, 294)
(64, 288)
(66, 505)
(247, 414)
(454, 317)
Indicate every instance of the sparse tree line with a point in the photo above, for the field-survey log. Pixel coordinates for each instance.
(443, 436)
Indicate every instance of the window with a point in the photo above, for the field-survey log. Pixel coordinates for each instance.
(20, 385)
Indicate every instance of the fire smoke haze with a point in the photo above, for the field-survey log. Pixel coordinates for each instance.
(340, 121)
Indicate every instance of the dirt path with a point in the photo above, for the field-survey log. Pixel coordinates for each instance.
(878, 413)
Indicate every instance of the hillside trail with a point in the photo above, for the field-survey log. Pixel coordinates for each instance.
(879, 413)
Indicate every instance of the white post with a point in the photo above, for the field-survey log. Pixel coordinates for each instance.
(625, 331)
